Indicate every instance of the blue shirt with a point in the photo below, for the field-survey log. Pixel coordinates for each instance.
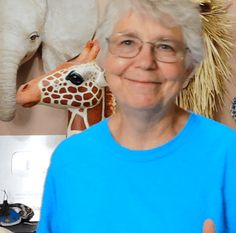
(94, 185)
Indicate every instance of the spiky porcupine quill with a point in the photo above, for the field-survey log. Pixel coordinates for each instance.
(206, 90)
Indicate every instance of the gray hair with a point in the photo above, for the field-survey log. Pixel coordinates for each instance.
(185, 14)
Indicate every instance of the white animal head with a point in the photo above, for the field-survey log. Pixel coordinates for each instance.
(21, 31)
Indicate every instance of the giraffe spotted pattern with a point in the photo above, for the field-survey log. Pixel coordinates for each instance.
(76, 87)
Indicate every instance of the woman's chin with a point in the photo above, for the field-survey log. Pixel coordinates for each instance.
(143, 104)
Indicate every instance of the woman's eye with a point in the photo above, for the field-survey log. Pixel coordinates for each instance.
(127, 42)
(165, 47)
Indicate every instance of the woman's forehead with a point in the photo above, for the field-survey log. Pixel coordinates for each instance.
(145, 25)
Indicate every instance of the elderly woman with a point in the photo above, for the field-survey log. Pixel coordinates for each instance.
(151, 167)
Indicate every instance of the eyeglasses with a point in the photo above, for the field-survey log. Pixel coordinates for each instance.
(129, 46)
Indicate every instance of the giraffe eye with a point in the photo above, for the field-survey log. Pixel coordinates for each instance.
(75, 78)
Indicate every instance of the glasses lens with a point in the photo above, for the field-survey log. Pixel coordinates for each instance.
(127, 46)
(124, 45)
(170, 51)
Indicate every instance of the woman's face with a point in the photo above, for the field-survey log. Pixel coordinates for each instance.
(142, 82)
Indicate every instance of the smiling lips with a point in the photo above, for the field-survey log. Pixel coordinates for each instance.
(143, 81)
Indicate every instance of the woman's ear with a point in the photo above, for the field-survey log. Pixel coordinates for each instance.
(190, 72)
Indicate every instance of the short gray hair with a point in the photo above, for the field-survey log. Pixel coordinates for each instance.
(185, 13)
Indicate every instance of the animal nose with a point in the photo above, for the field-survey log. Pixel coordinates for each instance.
(24, 88)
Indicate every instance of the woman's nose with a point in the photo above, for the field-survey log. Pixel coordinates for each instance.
(146, 59)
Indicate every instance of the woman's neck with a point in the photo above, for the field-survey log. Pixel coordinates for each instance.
(141, 130)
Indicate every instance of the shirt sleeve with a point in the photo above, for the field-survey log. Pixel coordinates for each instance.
(48, 209)
(230, 189)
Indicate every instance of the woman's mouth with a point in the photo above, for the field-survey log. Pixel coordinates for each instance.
(142, 81)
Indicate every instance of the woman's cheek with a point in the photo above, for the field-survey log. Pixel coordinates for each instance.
(115, 66)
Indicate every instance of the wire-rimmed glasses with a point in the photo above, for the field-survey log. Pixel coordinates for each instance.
(129, 46)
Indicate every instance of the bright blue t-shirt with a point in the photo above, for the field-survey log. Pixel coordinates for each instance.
(94, 185)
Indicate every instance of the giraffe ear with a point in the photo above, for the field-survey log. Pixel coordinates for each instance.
(101, 80)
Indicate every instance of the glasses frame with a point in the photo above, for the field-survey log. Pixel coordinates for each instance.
(179, 56)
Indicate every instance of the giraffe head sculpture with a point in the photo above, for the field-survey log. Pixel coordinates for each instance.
(78, 86)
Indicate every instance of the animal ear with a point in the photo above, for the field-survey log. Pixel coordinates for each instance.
(67, 28)
(43, 5)
(101, 80)
(101, 4)
(51, 58)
